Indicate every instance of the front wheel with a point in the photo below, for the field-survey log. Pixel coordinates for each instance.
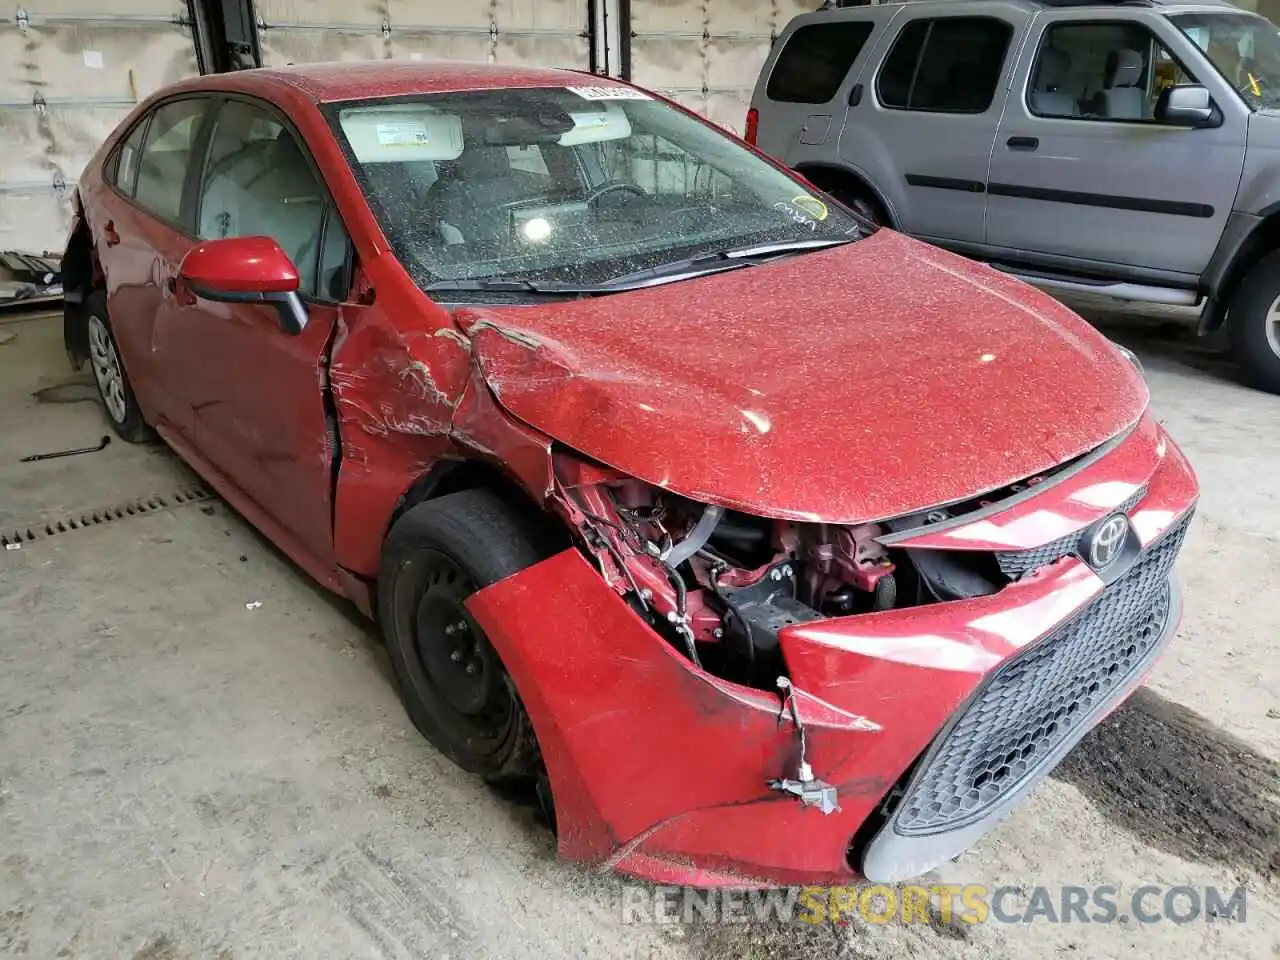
(1253, 323)
(452, 682)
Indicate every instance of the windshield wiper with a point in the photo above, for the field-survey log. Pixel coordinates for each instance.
(517, 285)
(716, 262)
(701, 265)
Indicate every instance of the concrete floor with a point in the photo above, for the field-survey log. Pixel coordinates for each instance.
(184, 777)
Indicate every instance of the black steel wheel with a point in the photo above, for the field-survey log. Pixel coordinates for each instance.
(452, 682)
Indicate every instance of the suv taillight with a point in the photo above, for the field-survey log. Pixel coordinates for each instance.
(753, 125)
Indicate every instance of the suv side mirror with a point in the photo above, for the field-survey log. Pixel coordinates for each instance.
(1185, 105)
(246, 270)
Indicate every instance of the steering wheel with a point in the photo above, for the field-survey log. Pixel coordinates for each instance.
(615, 186)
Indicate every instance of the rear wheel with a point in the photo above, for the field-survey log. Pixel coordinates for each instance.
(452, 682)
(852, 194)
(113, 384)
(1253, 323)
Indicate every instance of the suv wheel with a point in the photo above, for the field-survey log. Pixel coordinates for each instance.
(1253, 323)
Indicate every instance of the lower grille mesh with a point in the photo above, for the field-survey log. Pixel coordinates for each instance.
(1035, 700)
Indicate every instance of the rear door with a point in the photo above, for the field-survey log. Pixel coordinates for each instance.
(803, 91)
(923, 128)
(1083, 171)
(141, 235)
(255, 392)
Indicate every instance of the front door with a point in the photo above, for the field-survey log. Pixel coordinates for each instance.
(1081, 168)
(256, 392)
(929, 116)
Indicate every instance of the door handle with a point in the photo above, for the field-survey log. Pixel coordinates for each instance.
(855, 95)
(1023, 143)
(109, 232)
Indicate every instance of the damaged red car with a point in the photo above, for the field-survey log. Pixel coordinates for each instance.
(770, 546)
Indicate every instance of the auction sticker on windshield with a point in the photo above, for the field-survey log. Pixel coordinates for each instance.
(610, 93)
(402, 133)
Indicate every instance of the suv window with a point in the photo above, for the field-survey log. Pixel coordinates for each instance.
(816, 60)
(1112, 71)
(257, 181)
(162, 165)
(945, 65)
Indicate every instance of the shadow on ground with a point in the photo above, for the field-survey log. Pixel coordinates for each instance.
(1180, 784)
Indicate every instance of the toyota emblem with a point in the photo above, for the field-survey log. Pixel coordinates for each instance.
(1108, 540)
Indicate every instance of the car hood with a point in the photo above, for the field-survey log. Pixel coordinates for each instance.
(852, 384)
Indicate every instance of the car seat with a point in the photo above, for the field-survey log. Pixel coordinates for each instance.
(469, 199)
(1122, 97)
(1048, 98)
(267, 190)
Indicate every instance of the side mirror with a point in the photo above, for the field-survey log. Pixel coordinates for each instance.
(1185, 105)
(246, 270)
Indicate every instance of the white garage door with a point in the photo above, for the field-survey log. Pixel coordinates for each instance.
(67, 77)
(543, 32)
(706, 55)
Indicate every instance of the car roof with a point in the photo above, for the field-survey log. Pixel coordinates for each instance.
(372, 79)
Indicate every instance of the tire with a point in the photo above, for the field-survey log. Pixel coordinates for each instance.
(1253, 323)
(863, 205)
(855, 197)
(452, 683)
(114, 390)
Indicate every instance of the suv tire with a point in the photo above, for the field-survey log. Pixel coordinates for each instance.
(1253, 323)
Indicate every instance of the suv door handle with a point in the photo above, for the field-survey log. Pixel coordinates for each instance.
(855, 95)
(1023, 143)
(109, 232)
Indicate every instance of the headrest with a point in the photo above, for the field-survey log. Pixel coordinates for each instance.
(480, 163)
(1124, 68)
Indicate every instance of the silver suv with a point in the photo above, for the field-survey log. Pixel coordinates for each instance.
(1126, 149)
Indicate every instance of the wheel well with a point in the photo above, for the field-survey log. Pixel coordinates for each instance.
(80, 275)
(1264, 238)
(842, 183)
(453, 476)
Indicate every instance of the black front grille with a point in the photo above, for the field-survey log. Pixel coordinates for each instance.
(1015, 564)
(1039, 697)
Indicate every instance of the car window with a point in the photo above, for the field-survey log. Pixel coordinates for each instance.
(1112, 70)
(945, 65)
(257, 181)
(162, 164)
(123, 169)
(1243, 47)
(816, 60)
(334, 282)
(576, 185)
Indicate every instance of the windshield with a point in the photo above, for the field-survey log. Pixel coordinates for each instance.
(567, 185)
(1244, 48)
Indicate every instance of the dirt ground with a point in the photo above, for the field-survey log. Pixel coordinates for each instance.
(185, 773)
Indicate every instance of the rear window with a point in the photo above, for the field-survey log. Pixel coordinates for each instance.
(948, 65)
(816, 60)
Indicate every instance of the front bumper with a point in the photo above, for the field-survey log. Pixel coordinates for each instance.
(930, 721)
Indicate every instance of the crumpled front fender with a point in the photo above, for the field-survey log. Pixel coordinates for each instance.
(653, 761)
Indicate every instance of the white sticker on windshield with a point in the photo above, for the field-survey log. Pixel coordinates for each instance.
(610, 93)
(403, 133)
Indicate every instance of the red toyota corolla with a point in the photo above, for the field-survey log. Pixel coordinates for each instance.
(771, 547)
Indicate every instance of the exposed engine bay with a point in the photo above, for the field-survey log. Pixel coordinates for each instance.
(720, 585)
